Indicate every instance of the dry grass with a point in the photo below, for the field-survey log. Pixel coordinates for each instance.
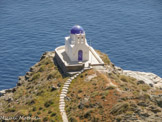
(97, 104)
(35, 98)
(103, 98)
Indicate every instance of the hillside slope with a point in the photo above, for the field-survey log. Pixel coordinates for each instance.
(95, 95)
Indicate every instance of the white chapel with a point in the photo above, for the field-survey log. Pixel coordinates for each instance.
(76, 45)
(76, 54)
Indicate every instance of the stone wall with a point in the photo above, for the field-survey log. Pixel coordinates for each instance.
(69, 68)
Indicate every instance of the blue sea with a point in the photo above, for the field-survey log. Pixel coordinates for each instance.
(129, 31)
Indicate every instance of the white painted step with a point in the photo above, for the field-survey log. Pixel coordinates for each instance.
(72, 78)
(64, 92)
(62, 102)
(66, 85)
(64, 117)
(65, 89)
(62, 105)
(69, 80)
(62, 110)
(62, 95)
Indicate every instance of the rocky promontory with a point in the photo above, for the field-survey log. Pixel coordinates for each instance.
(96, 95)
(147, 77)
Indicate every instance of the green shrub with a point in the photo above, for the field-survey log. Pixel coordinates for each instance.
(136, 93)
(104, 57)
(146, 96)
(31, 102)
(38, 112)
(110, 88)
(30, 114)
(95, 93)
(40, 108)
(95, 119)
(144, 87)
(51, 76)
(81, 76)
(34, 109)
(72, 119)
(106, 92)
(45, 119)
(42, 68)
(106, 60)
(124, 78)
(54, 74)
(40, 92)
(79, 91)
(11, 110)
(45, 61)
(118, 119)
(129, 112)
(49, 111)
(127, 79)
(53, 114)
(36, 76)
(88, 114)
(119, 108)
(48, 103)
(103, 97)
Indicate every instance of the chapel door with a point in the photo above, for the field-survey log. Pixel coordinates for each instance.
(80, 55)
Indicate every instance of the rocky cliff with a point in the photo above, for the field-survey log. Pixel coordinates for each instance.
(99, 94)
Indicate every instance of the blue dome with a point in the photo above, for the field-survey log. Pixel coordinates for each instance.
(77, 29)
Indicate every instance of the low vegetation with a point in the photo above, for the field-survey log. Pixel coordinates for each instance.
(104, 57)
(108, 96)
(34, 97)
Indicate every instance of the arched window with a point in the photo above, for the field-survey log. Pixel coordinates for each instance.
(80, 55)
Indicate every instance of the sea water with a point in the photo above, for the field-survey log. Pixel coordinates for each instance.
(130, 32)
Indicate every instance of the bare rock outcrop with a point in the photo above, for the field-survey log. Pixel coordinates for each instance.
(149, 78)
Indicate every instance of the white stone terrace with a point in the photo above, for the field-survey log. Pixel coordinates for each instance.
(94, 58)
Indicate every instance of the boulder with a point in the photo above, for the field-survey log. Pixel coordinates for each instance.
(8, 90)
(157, 99)
(142, 104)
(151, 85)
(145, 114)
(67, 98)
(59, 84)
(148, 78)
(83, 102)
(28, 73)
(27, 77)
(81, 105)
(12, 90)
(2, 92)
(48, 54)
(155, 110)
(21, 80)
(53, 88)
(32, 69)
(8, 99)
(140, 82)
